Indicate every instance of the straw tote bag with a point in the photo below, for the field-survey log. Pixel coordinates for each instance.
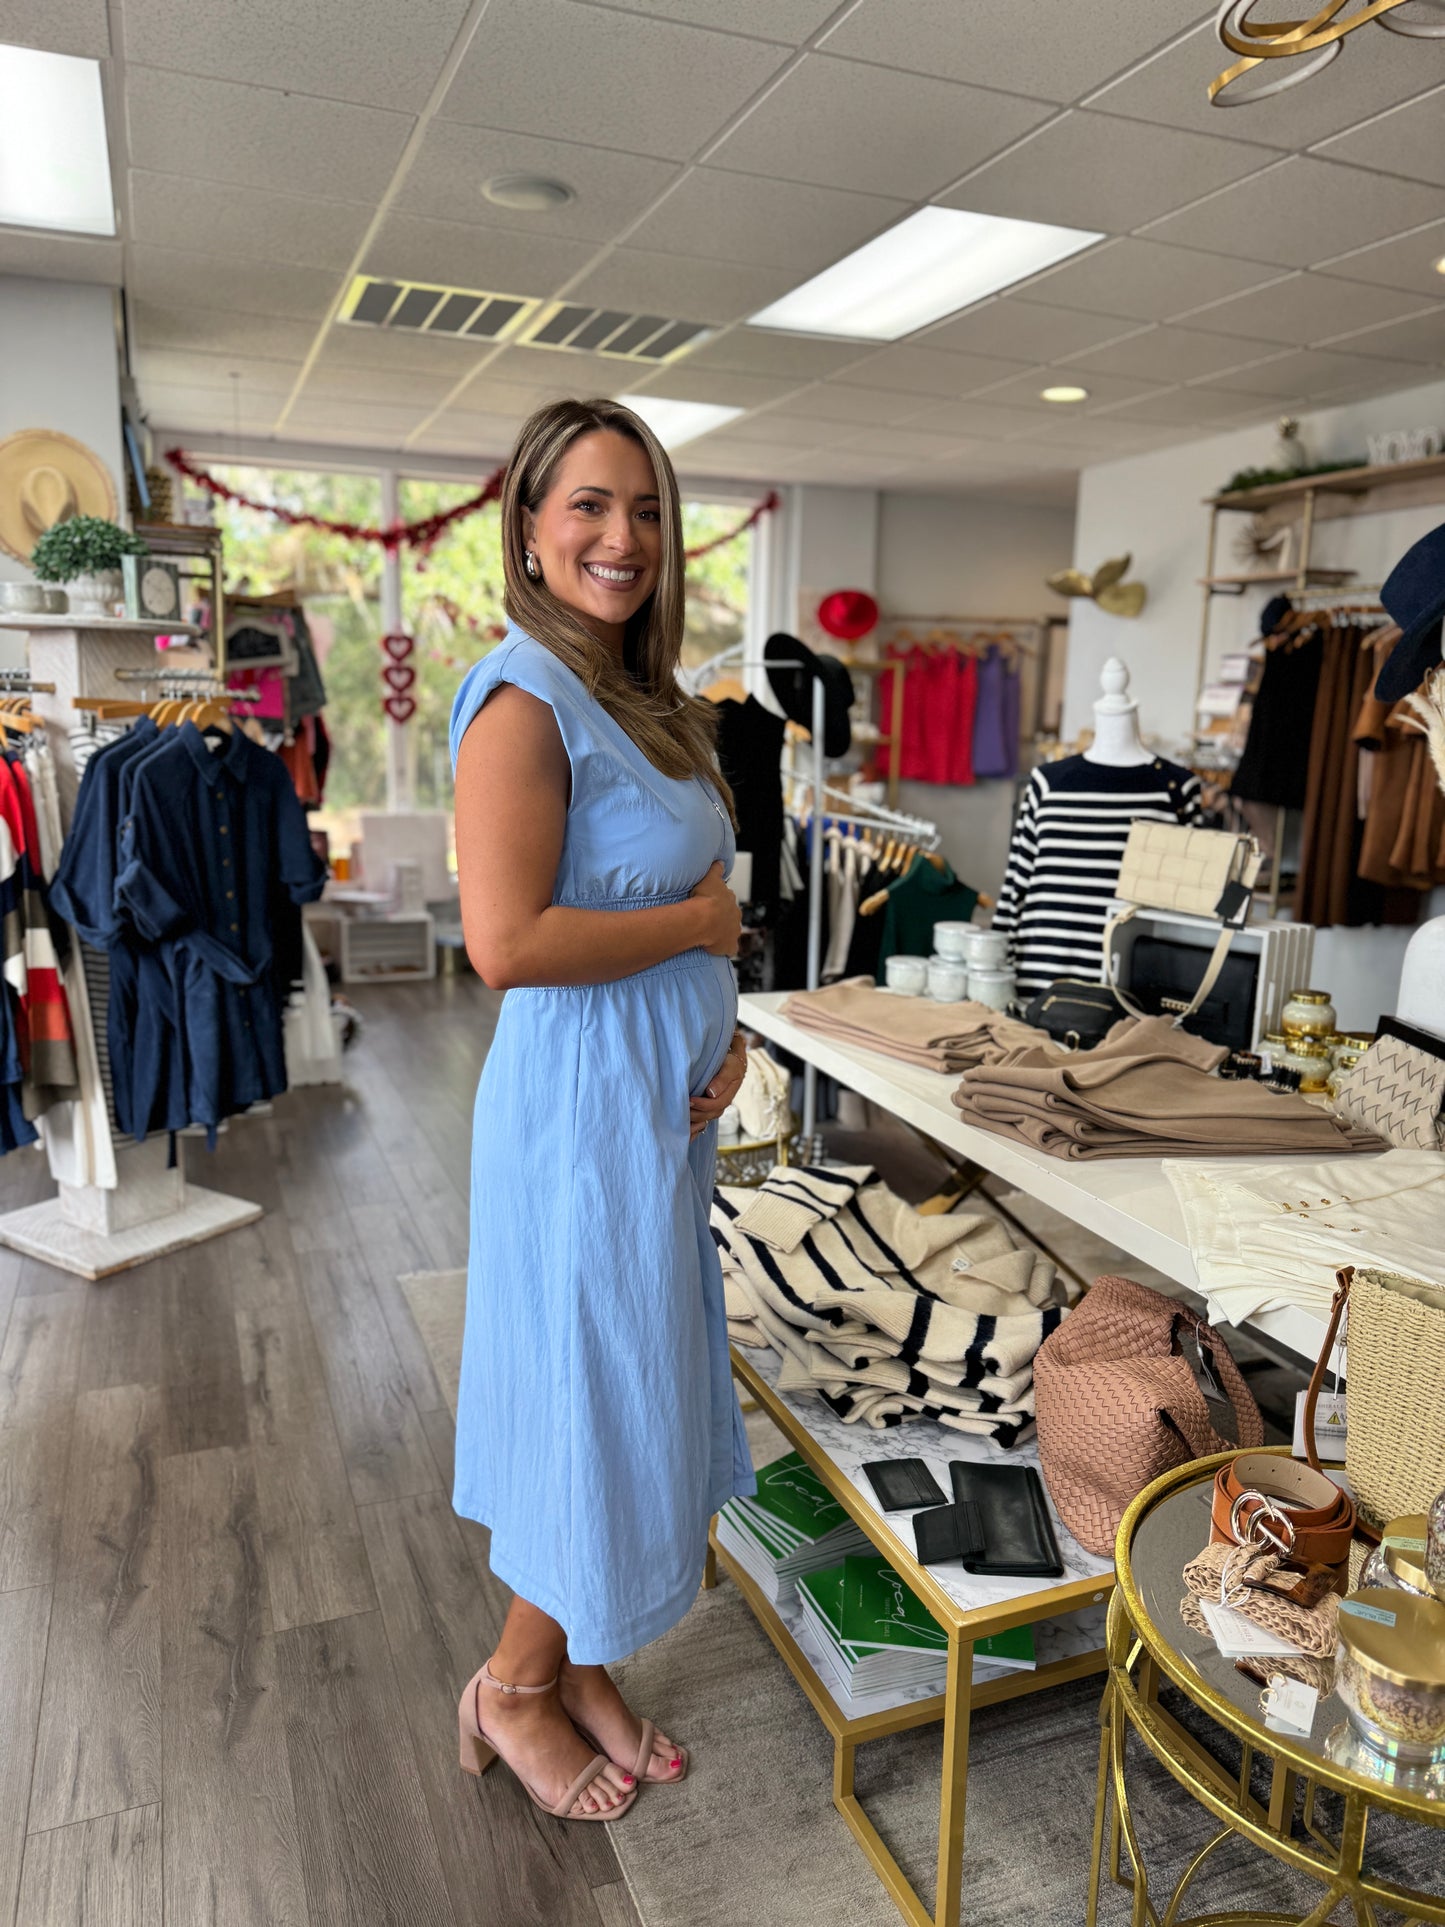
(1394, 1393)
(1118, 1404)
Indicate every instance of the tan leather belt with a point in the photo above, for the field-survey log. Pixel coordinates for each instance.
(1277, 1502)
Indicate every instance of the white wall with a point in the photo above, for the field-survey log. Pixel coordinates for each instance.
(955, 555)
(58, 369)
(1152, 505)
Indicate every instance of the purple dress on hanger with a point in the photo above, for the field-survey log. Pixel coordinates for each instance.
(996, 718)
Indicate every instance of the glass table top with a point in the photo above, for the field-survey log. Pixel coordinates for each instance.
(1172, 1533)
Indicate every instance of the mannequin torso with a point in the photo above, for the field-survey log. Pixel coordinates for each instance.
(1116, 722)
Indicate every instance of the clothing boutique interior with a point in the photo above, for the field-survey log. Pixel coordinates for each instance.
(988, 1423)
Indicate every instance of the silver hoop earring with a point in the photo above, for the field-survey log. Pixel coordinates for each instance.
(530, 565)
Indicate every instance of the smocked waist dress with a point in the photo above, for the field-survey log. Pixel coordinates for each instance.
(597, 1426)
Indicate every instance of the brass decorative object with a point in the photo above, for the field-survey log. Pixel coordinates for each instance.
(1313, 42)
(1105, 586)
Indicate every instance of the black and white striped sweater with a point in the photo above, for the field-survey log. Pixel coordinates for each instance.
(1063, 867)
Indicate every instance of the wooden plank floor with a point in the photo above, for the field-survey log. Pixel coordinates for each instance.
(236, 1608)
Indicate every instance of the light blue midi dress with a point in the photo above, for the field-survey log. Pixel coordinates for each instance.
(597, 1425)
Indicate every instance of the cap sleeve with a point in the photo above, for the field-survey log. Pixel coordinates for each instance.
(526, 665)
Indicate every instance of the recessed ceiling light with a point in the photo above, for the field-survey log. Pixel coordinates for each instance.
(676, 422)
(1440, 265)
(531, 193)
(54, 162)
(1063, 393)
(931, 264)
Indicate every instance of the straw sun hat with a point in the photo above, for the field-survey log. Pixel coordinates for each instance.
(46, 477)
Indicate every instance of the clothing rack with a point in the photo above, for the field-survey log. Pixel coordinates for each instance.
(17, 682)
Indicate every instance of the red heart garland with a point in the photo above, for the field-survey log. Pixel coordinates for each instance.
(398, 675)
(401, 709)
(398, 647)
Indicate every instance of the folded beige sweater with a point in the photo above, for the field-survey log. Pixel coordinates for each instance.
(917, 1030)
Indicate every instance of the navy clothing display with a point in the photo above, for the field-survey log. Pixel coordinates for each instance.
(189, 863)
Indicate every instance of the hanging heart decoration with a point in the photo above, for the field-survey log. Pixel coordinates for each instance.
(401, 709)
(399, 647)
(398, 676)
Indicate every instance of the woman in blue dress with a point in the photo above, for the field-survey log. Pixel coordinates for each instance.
(597, 1426)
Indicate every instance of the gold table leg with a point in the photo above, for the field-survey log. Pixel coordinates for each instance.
(1101, 1802)
(957, 1703)
(709, 1564)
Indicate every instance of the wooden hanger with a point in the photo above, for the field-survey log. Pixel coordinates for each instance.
(727, 689)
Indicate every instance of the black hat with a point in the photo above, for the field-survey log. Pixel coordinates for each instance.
(1414, 595)
(793, 687)
(1273, 614)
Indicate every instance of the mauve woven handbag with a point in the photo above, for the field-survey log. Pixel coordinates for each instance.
(1118, 1404)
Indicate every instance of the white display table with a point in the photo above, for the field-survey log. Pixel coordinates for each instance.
(1129, 1201)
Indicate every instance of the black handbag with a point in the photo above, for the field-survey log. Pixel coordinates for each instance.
(1164, 977)
(1077, 1014)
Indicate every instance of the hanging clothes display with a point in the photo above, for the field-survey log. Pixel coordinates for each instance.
(1063, 866)
(749, 750)
(38, 1068)
(960, 699)
(996, 718)
(927, 893)
(1274, 764)
(188, 859)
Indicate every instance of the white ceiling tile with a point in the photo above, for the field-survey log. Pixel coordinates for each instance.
(1301, 211)
(1145, 281)
(1305, 309)
(243, 375)
(778, 224)
(174, 277)
(1172, 354)
(1375, 70)
(763, 351)
(1026, 47)
(788, 21)
(260, 137)
(212, 217)
(1024, 330)
(1421, 339)
(680, 287)
(487, 437)
(834, 401)
(841, 124)
(902, 444)
(506, 399)
(204, 409)
(1024, 390)
(332, 412)
(779, 428)
(59, 27)
(403, 349)
(328, 378)
(554, 371)
(985, 418)
(611, 189)
(750, 457)
(1099, 434)
(1312, 373)
(835, 467)
(495, 260)
(212, 331)
(1406, 142)
(60, 257)
(928, 371)
(1189, 408)
(614, 79)
(684, 382)
(377, 53)
(1095, 171)
(1408, 261)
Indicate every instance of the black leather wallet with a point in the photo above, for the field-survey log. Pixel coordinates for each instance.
(947, 1532)
(902, 1485)
(1014, 1532)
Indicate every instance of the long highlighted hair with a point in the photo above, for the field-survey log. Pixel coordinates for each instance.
(676, 732)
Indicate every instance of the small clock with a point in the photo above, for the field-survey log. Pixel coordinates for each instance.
(152, 589)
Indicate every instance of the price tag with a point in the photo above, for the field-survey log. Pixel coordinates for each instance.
(1330, 1428)
(1289, 1704)
(1359, 1609)
(1238, 1637)
(1405, 1544)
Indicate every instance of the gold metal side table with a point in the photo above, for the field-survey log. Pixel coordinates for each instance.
(1148, 1644)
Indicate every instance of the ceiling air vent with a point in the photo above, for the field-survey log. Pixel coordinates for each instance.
(421, 309)
(611, 331)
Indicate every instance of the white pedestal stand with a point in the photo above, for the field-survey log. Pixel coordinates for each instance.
(1422, 978)
(88, 1229)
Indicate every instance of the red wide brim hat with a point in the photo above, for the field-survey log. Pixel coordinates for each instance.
(847, 614)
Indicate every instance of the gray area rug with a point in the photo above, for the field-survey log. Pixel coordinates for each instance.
(751, 1838)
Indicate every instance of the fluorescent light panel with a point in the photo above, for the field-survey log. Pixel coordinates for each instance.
(933, 263)
(676, 422)
(54, 163)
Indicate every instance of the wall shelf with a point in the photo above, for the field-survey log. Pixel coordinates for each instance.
(1343, 481)
(20, 619)
(1237, 584)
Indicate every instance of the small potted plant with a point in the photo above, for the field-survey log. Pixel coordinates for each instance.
(84, 553)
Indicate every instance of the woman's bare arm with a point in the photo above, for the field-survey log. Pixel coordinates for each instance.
(511, 803)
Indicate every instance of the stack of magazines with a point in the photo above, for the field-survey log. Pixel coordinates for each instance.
(793, 1526)
(876, 1637)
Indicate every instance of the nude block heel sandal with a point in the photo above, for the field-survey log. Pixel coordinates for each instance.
(478, 1752)
(644, 1757)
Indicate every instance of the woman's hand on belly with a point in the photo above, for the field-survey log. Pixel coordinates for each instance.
(721, 1091)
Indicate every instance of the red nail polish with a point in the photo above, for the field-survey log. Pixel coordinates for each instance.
(628, 1778)
(677, 1762)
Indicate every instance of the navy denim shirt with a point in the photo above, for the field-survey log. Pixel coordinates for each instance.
(215, 858)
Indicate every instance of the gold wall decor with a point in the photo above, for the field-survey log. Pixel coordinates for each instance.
(1313, 43)
(1106, 586)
